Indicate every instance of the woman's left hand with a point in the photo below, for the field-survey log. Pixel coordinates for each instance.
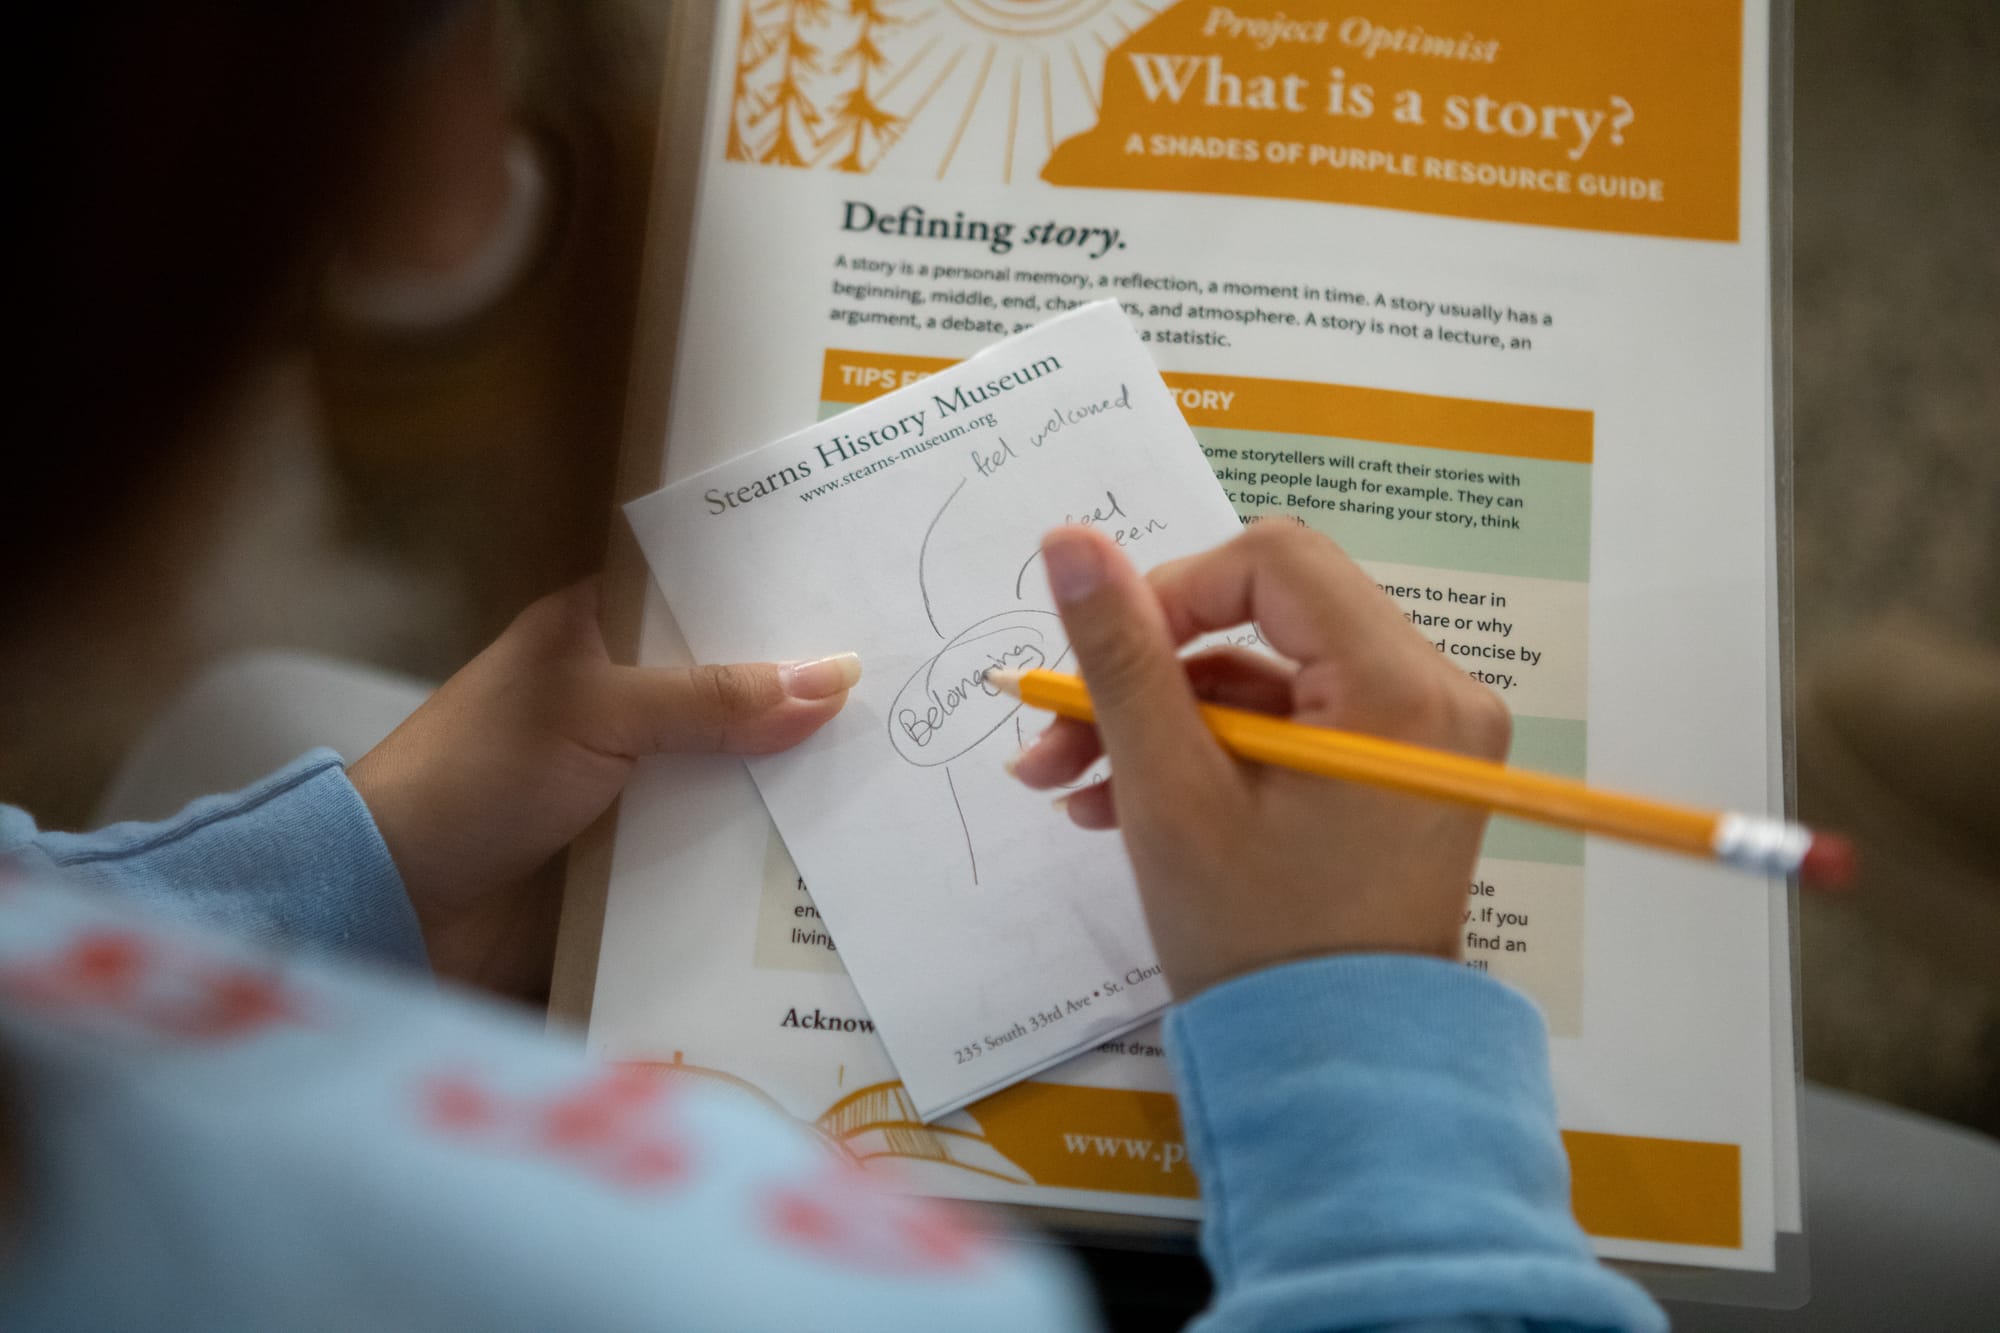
(518, 753)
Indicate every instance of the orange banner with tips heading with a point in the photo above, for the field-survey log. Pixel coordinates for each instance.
(1294, 407)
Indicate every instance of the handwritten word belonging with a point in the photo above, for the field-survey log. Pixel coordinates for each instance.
(948, 707)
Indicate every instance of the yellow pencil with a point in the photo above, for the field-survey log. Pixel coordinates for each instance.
(1757, 843)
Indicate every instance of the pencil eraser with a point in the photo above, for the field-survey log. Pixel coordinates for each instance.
(1828, 863)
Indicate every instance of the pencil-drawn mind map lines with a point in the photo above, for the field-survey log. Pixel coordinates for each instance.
(923, 550)
(947, 708)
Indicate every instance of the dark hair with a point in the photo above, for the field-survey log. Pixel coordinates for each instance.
(184, 168)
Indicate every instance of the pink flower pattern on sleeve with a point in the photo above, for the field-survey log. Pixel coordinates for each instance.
(607, 1124)
(235, 1122)
(124, 978)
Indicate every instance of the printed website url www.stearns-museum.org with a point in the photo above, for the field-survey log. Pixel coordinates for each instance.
(909, 451)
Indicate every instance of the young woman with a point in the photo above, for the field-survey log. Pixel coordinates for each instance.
(230, 1097)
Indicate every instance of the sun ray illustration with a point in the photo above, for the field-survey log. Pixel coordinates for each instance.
(936, 83)
(971, 105)
(1083, 75)
(912, 63)
(1013, 123)
(1048, 103)
(915, 86)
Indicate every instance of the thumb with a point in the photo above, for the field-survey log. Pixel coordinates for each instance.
(1146, 709)
(745, 708)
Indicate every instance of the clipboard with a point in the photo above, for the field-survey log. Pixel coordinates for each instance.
(1105, 1234)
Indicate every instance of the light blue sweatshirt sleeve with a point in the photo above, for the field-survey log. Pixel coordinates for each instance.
(1377, 1147)
(293, 861)
(219, 1138)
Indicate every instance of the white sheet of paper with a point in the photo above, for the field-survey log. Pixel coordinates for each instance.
(988, 937)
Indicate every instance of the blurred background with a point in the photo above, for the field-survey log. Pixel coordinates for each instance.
(401, 469)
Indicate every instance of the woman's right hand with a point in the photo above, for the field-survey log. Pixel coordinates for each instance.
(1242, 866)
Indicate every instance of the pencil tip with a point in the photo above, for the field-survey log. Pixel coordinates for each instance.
(1005, 681)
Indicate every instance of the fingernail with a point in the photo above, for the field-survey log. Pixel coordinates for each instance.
(821, 677)
(1075, 566)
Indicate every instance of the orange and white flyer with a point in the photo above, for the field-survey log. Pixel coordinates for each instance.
(1483, 292)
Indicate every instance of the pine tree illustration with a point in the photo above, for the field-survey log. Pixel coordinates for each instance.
(786, 103)
(856, 113)
(753, 47)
